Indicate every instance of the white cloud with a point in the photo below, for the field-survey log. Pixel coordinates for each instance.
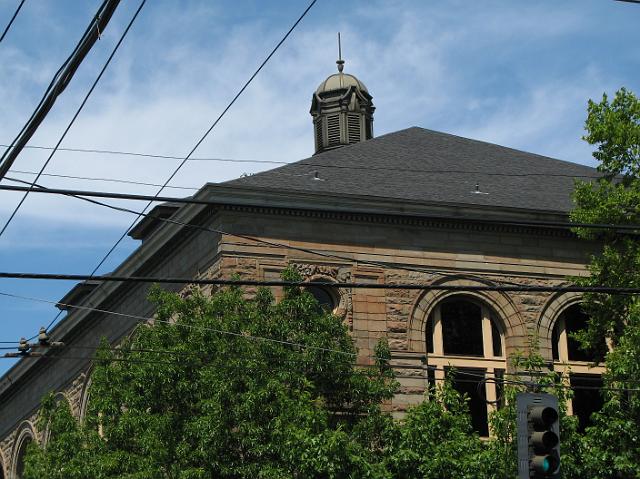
(453, 67)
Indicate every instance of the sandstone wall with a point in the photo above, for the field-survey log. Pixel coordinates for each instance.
(358, 249)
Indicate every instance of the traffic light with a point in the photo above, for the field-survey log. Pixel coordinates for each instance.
(538, 436)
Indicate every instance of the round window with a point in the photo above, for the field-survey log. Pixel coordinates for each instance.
(327, 301)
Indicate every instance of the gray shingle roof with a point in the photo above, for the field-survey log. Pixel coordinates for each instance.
(432, 167)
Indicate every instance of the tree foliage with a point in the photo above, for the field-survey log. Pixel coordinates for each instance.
(199, 395)
(613, 442)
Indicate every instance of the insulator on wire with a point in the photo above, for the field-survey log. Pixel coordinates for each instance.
(43, 337)
(23, 346)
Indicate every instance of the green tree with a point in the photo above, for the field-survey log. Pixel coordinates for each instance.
(435, 440)
(182, 399)
(613, 442)
(199, 394)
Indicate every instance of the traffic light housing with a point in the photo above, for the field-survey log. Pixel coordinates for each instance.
(538, 436)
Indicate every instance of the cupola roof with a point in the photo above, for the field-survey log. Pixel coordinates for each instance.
(340, 81)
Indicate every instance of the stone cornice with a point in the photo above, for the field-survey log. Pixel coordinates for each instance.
(465, 224)
(296, 199)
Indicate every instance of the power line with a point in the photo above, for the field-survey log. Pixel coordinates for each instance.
(93, 178)
(154, 320)
(192, 200)
(195, 188)
(100, 24)
(15, 14)
(305, 346)
(36, 346)
(60, 81)
(206, 134)
(275, 244)
(357, 370)
(304, 163)
(151, 155)
(269, 243)
(351, 285)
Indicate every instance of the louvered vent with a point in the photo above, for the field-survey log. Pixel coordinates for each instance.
(318, 125)
(333, 130)
(353, 125)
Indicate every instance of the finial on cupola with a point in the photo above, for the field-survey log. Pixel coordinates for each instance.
(340, 61)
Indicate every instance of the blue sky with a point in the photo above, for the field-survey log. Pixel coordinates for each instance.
(512, 72)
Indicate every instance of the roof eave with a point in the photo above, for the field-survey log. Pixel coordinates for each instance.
(282, 198)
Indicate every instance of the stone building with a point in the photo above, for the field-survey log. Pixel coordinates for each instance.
(415, 206)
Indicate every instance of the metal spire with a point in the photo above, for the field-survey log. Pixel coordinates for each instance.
(340, 61)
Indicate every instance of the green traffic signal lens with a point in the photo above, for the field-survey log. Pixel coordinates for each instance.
(546, 464)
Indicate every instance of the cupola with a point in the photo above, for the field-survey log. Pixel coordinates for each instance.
(342, 110)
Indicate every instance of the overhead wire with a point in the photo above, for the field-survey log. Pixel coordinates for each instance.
(59, 83)
(199, 142)
(209, 130)
(151, 155)
(13, 17)
(249, 337)
(358, 369)
(337, 284)
(99, 25)
(271, 243)
(438, 217)
(304, 163)
(106, 180)
(597, 378)
(195, 188)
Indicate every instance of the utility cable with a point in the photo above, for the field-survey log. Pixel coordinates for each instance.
(326, 284)
(247, 337)
(60, 81)
(195, 201)
(195, 188)
(356, 370)
(151, 155)
(93, 178)
(305, 163)
(261, 241)
(100, 28)
(206, 134)
(274, 243)
(15, 14)
(149, 319)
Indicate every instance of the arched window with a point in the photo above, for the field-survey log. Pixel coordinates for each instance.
(569, 358)
(465, 335)
(19, 457)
